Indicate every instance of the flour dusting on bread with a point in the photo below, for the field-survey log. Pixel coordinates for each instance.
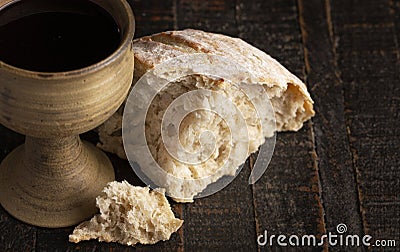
(288, 95)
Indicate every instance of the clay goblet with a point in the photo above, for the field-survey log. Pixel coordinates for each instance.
(53, 179)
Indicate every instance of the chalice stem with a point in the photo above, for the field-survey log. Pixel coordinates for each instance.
(55, 158)
(53, 182)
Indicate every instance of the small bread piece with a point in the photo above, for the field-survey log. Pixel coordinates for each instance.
(129, 215)
(291, 102)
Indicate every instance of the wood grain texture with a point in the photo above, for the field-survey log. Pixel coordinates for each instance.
(369, 63)
(338, 177)
(343, 166)
(287, 197)
(223, 221)
(210, 15)
(153, 16)
(14, 235)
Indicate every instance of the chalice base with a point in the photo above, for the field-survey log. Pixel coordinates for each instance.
(53, 182)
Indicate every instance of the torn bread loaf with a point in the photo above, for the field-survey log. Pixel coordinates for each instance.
(129, 215)
(289, 97)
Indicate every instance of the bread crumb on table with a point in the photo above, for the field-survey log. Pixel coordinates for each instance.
(129, 215)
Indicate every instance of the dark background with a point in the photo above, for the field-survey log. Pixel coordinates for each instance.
(341, 167)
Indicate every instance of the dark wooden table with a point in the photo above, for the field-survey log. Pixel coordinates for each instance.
(341, 167)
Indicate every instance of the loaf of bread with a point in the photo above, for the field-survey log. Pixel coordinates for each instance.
(129, 215)
(288, 95)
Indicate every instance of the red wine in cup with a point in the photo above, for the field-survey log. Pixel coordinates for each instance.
(56, 35)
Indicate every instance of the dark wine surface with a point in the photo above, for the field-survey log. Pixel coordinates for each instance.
(56, 36)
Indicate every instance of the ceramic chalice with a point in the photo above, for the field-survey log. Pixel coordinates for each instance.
(53, 179)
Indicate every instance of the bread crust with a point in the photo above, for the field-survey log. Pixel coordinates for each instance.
(153, 50)
(289, 97)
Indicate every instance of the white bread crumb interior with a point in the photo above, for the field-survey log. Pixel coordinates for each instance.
(129, 215)
(289, 97)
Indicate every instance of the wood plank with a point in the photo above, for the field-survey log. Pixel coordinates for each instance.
(368, 58)
(338, 178)
(153, 16)
(212, 16)
(287, 197)
(9, 141)
(225, 220)
(14, 235)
